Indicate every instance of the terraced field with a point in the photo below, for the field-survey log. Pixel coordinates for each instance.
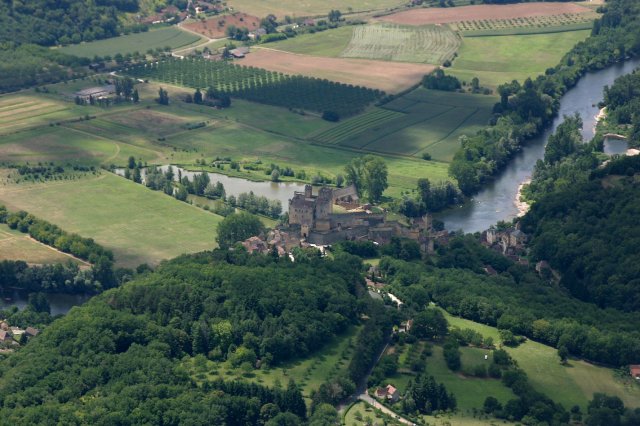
(390, 42)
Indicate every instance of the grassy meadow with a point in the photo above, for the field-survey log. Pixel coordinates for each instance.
(139, 225)
(14, 245)
(571, 384)
(499, 59)
(326, 43)
(318, 8)
(172, 37)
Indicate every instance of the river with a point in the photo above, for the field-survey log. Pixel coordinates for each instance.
(59, 303)
(282, 191)
(497, 201)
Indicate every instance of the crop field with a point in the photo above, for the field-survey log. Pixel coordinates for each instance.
(572, 384)
(391, 77)
(260, 85)
(297, 9)
(139, 225)
(482, 12)
(420, 121)
(15, 245)
(216, 27)
(326, 43)
(512, 57)
(390, 42)
(534, 23)
(172, 37)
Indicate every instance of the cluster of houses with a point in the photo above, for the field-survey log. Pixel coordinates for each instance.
(11, 337)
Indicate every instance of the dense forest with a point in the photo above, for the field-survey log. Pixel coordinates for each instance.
(527, 108)
(622, 100)
(516, 299)
(116, 360)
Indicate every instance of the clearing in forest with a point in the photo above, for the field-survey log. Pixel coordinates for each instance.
(482, 12)
(216, 27)
(390, 42)
(391, 77)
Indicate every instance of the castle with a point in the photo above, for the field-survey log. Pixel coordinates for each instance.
(314, 219)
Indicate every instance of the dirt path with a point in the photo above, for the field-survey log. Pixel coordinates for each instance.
(82, 262)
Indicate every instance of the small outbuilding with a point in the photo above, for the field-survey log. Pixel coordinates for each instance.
(635, 371)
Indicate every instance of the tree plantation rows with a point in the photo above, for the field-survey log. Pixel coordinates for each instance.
(259, 85)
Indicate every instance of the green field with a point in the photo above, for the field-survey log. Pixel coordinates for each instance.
(571, 384)
(330, 362)
(297, 9)
(15, 245)
(326, 43)
(500, 59)
(139, 225)
(362, 414)
(425, 44)
(157, 134)
(140, 42)
(420, 121)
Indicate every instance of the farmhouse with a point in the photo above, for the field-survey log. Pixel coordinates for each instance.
(239, 52)
(99, 92)
(5, 336)
(635, 371)
(388, 392)
(256, 34)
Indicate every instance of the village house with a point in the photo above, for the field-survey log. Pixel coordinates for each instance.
(634, 370)
(508, 241)
(5, 336)
(388, 392)
(255, 245)
(31, 332)
(405, 326)
(256, 34)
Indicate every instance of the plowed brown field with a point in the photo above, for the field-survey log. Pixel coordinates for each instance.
(479, 12)
(388, 76)
(217, 27)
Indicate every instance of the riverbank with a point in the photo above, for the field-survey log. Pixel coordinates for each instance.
(522, 206)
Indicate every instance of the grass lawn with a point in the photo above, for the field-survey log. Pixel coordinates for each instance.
(500, 59)
(331, 361)
(15, 245)
(173, 37)
(293, 8)
(573, 384)
(361, 414)
(325, 43)
(138, 224)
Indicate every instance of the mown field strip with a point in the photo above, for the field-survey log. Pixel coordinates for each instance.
(390, 42)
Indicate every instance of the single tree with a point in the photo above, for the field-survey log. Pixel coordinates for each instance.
(238, 227)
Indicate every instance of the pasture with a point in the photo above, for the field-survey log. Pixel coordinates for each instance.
(297, 9)
(426, 44)
(512, 57)
(139, 225)
(216, 27)
(391, 77)
(571, 384)
(172, 37)
(326, 43)
(434, 15)
(418, 122)
(15, 245)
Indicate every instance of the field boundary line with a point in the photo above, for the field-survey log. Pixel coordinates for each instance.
(29, 237)
(451, 132)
